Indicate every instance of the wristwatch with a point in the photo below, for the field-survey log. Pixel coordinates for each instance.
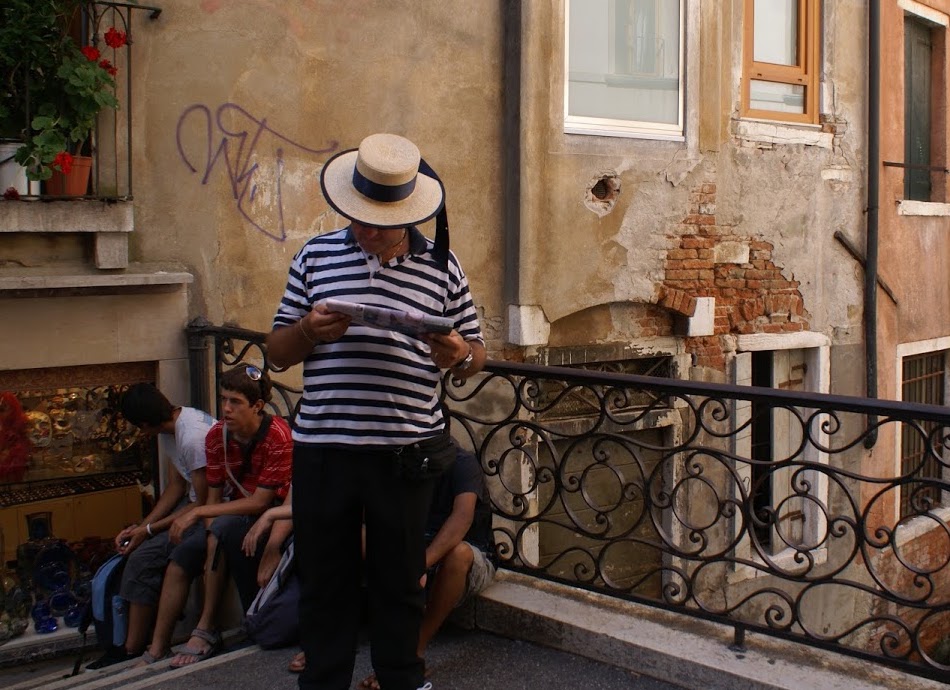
(466, 361)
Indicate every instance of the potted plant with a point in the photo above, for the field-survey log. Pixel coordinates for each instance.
(63, 90)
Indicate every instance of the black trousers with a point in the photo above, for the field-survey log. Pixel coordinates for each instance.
(335, 490)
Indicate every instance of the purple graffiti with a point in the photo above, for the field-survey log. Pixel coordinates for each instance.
(241, 164)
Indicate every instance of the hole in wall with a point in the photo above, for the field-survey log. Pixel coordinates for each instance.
(602, 193)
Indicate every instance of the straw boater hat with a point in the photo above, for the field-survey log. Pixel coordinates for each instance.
(380, 184)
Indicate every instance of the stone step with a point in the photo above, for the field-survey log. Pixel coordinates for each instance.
(671, 647)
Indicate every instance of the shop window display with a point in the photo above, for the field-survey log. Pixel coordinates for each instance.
(73, 473)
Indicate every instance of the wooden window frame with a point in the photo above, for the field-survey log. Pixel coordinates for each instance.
(805, 73)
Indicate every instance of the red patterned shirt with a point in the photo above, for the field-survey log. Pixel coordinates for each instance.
(264, 462)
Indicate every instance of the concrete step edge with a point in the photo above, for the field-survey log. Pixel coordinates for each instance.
(122, 675)
(671, 647)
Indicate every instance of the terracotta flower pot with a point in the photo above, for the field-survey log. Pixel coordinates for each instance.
(76, 183)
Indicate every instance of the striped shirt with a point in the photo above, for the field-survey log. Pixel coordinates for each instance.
(373, 386)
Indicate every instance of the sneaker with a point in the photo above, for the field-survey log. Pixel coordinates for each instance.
(115, 655)
(427, 686)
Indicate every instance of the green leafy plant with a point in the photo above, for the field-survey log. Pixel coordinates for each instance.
(65, 90)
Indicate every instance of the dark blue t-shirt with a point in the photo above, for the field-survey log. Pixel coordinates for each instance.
(465, 476)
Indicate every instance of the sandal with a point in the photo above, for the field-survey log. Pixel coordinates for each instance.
(147, 659)
(190, 655)
(298, 664)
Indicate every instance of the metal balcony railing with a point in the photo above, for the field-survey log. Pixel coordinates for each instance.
(110, 143)
(753, 507)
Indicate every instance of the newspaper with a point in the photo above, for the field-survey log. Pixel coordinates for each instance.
(405, 321)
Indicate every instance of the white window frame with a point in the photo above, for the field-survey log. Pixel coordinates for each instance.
(817, 355)
(635, 129)
(910, 528)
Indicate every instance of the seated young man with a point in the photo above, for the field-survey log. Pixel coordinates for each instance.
(147, 545)
(460, 552)
(249, 463)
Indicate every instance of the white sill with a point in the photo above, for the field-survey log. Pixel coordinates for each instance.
(919, 525)
(770, 132)
(782, 563)
(908, 207)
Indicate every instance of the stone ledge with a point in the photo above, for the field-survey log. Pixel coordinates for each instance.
(75, 215)
(909, 207)
(81, 280)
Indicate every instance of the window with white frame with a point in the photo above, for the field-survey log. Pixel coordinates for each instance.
(624, 68)
(788, 520)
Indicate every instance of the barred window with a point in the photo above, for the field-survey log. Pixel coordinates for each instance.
(924, 381)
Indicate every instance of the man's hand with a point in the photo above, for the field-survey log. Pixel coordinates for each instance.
(323, 325)
(253, 536)
(130, 539)
(269, 561)
(446, 349)
(181, 525)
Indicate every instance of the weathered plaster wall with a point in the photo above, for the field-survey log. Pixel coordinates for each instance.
(786, 189)
(240, 104)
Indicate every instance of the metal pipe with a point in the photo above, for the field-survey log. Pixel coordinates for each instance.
(874, 167)
(511, 137)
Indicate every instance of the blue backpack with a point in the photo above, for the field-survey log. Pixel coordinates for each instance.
(109, 612)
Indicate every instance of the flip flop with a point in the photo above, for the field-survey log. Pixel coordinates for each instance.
(298, 664)
(189, 655)
(370, 682)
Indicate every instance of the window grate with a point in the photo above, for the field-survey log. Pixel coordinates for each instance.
(924, 381)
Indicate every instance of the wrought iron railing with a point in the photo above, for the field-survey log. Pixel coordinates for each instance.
(110, 143)
(753, 507)
(212, 349)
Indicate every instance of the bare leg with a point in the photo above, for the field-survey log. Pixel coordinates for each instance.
(174, 596)
(446, 590)
(141, 617)
(215, 581)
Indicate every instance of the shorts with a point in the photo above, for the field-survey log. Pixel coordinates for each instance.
(145, 567)
(479, 577)
(230, 531)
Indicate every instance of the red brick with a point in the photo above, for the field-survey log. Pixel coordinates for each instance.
(684, 253)
(697, 242)
(682, 275)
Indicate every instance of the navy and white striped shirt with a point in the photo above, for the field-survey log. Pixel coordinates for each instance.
(373, 386)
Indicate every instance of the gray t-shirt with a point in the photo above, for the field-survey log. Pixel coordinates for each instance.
(188, 451)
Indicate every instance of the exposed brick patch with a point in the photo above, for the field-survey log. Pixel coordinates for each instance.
(677, 300)
(927, 554)
(753, 297)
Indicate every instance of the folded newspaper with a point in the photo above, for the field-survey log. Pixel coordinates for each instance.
(405, 321)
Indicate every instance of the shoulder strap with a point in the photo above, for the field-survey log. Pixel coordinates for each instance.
(227, 467)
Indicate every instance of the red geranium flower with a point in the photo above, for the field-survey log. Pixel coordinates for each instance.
(11, 194)
(107, 66)
(91, 53)
(115, 38)
(63, 161)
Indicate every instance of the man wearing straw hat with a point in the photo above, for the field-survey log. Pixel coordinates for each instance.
(370, 437)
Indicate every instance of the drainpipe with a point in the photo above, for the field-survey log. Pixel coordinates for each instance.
(874, 167)
(511, 144)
